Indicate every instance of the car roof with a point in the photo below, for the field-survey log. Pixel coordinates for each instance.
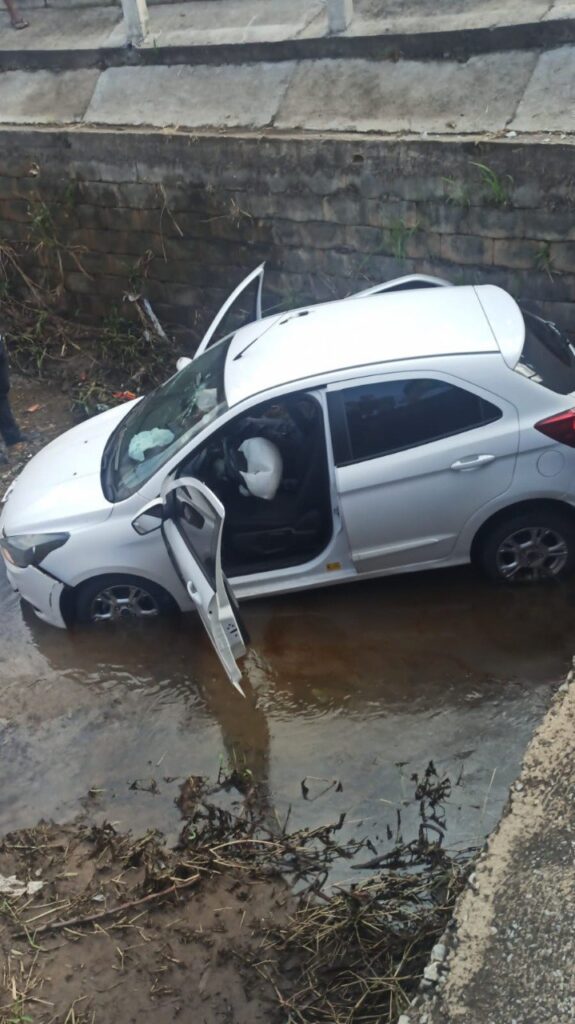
(352, 333)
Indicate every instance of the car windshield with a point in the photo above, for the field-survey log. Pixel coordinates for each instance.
(163, 422)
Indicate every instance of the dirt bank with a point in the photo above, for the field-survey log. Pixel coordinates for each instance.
(42, 412)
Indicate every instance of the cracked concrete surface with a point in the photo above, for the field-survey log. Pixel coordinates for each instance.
(519, 91)
(191, 97)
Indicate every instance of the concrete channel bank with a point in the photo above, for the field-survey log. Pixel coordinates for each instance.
(512, 946)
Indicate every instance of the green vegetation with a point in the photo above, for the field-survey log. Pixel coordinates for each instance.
(496, 188)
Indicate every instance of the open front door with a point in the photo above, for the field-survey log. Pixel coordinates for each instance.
(192, 530)
(242, 307)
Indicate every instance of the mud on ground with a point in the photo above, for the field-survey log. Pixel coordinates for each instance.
(42, 412)
(182, 955)
(97, 926)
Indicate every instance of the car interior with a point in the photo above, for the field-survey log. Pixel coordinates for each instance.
(269, 469)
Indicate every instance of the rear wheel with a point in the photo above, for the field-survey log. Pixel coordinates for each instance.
(120, 598)
(529, 547)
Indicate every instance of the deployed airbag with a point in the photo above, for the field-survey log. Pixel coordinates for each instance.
(265, 467)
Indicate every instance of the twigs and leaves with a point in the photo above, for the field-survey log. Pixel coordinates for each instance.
(359, 953)
(117, 911)
(335, 954)
(128, 351)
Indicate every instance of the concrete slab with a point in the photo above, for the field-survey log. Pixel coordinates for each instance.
(205, 22)
(358, 95)
(45, 97)
(84, 29)
(523, 91)
(237, 96)
(560, 9)
(375, 16)
(549, 100)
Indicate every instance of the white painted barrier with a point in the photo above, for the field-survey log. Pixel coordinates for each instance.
(136, 19)
(339, 14)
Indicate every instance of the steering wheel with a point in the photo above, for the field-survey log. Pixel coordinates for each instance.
(234, 461)
(198, 461)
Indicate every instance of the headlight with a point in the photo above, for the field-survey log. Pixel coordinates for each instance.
(7, 494)
(31, 548)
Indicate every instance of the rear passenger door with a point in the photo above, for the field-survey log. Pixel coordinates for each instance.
(416, 455)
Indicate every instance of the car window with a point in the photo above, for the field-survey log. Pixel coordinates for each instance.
(390, 416)
(547, 357)
(199, 532)
(242, 312)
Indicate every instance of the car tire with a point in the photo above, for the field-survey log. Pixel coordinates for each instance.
(115, 598)
(529, 547)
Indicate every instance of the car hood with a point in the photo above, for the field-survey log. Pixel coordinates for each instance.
(61, 484)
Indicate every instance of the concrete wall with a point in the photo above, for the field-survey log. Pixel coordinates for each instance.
(185, 217)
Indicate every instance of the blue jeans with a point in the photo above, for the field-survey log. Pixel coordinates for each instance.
(9, 429)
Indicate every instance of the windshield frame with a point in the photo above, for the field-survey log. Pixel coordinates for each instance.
(211, 363)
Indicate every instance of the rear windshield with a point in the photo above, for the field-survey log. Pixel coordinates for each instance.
(548, 357)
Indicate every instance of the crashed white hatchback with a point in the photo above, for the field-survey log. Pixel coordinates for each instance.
(412, 426)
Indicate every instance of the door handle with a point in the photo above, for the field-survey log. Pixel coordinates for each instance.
(470, 462)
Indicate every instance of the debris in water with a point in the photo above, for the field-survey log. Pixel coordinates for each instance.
(12, 886)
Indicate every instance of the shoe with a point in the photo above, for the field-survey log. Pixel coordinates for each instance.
(21, 439)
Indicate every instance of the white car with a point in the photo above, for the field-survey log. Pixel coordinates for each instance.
(413, 426)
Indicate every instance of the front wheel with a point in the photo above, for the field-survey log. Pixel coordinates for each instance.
(120, 598)
(529, 547)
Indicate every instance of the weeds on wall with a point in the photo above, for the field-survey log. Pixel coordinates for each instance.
(496, 188)
(458, 193)
(399, 234)
(544, 261)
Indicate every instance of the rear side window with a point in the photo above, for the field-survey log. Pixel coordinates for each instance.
(390, 416)
(547, 357)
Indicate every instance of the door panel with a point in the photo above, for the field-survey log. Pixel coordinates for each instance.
(409, 506)
(192, 531)
(242, 307)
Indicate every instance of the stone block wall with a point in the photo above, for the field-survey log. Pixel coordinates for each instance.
(183, 218)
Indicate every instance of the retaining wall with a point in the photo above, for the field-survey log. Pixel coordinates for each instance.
(184, 217)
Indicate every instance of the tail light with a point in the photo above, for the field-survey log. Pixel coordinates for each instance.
(560, 427)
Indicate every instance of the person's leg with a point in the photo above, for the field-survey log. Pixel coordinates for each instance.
(9, 429)
(16, 18)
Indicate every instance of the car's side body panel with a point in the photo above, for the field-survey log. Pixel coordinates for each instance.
(410, 505)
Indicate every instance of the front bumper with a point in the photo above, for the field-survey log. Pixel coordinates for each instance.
(41, 591)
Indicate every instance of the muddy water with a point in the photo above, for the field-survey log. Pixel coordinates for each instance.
(363, 684)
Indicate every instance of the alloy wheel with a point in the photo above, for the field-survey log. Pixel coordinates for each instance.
(531, 552)
(123, 601)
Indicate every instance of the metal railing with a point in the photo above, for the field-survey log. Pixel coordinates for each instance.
(339, 15)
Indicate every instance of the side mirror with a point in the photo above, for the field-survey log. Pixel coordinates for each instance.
(149, 519)
(182, 362)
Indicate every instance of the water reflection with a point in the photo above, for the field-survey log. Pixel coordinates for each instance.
(363, 683)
